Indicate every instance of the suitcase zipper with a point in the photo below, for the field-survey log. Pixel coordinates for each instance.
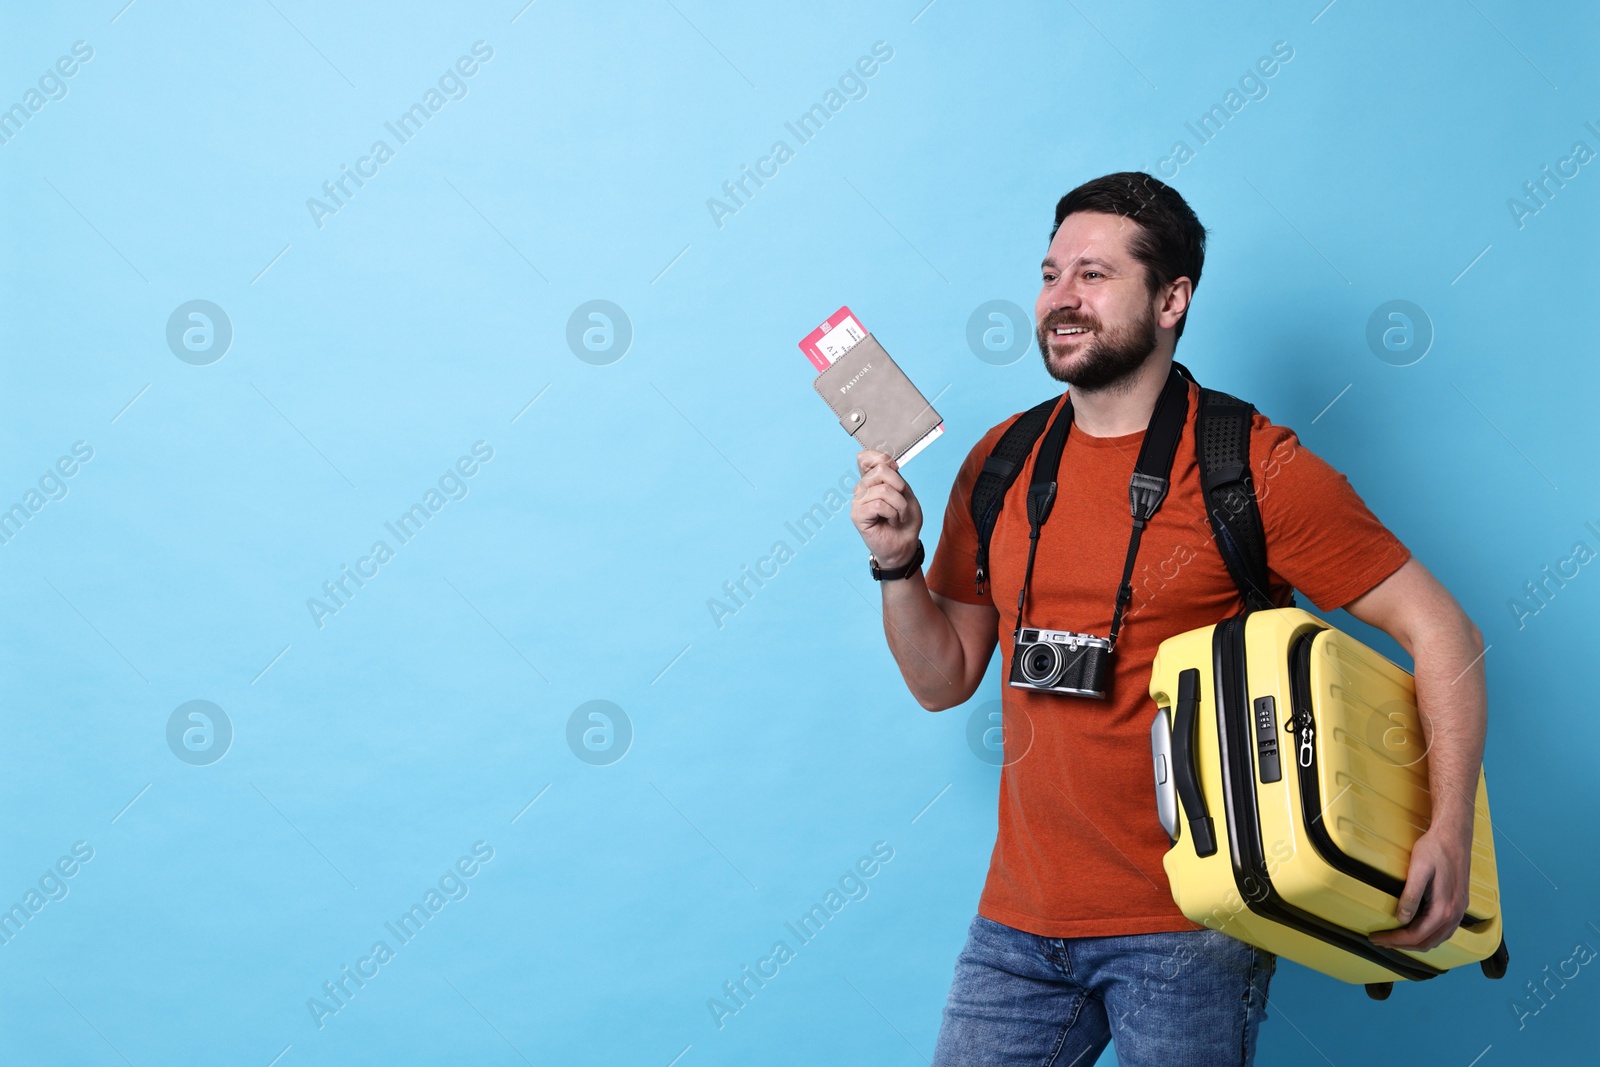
(1307, 730)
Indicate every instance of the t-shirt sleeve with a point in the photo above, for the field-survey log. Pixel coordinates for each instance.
(953, 572)
(1321, 536)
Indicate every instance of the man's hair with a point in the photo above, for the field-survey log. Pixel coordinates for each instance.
(1169, 241)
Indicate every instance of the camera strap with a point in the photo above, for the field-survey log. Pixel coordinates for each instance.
(1146, 489)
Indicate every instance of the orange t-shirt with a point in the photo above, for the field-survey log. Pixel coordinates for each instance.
(1079, 847)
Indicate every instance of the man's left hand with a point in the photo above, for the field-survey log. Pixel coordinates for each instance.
(1435, 895)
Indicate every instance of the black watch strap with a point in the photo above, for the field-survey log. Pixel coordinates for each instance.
(911, 567)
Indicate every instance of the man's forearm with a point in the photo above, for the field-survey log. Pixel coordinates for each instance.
(1452, 702)
(924, 643)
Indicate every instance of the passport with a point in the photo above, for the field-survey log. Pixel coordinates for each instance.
(876, 403)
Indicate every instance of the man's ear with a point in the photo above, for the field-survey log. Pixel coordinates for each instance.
(1176, 302)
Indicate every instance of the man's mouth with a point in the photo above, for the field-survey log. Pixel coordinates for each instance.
(1069, 331)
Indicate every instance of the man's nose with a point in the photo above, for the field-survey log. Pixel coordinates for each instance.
(1064, 297)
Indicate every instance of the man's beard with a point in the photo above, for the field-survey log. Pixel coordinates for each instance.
(1110, 359)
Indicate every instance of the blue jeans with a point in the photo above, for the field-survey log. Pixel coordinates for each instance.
(1168, 999)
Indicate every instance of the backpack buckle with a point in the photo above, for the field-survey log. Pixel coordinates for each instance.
(1226, 475)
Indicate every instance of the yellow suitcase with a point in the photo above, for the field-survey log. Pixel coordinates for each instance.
(1292, 781)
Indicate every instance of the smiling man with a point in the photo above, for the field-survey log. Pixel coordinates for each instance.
(1077, 941)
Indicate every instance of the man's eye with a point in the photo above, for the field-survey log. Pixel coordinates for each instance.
(1049, 277)
(1089, 272)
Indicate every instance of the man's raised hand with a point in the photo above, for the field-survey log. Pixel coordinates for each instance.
(885, 510)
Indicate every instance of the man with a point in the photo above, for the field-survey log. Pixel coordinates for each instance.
(1077, 940)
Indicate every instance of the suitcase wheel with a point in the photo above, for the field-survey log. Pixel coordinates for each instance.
(1495, 965)
(1380, 990)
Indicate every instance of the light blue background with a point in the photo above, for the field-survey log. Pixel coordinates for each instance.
(773, 751)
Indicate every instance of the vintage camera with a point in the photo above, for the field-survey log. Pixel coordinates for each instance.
(1058, 661)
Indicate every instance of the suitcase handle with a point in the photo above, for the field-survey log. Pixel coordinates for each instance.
(1183, 765)
(1166, 787)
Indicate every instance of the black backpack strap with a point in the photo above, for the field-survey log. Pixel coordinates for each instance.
(1222, 443)
(999, 471)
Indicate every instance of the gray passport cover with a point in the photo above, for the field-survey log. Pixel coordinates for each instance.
(874, 400)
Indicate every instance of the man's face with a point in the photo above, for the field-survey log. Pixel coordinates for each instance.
(1097, 321)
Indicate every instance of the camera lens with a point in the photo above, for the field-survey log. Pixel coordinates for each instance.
(1041, 664)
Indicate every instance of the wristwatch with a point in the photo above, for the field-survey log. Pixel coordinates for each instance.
(912, 566)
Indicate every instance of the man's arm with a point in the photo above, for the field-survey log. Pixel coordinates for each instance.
(1447, 651)
(942, 645)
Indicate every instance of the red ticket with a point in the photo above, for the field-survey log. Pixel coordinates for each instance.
(832, 339)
